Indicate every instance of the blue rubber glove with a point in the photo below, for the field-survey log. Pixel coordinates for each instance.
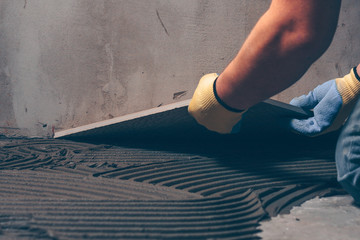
(332, 102)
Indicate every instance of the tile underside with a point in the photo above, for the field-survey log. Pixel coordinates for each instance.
(174, 120)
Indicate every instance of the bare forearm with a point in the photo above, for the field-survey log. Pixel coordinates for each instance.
(287, 39)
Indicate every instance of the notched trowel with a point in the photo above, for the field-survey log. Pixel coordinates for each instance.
(174, 121)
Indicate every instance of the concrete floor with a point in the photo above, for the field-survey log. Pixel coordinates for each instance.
(330, 218)
(60, 189)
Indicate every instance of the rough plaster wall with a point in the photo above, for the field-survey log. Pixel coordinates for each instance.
(7, 118)
(68, 63)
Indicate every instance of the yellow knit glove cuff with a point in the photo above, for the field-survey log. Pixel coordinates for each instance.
(206, 109)
(348, 87)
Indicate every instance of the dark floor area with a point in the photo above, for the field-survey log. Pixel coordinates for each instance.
(216, 188)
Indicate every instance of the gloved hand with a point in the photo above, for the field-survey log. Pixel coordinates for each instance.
(208, 109)
(332, 102)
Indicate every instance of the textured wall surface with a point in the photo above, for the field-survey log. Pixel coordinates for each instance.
(68, 63)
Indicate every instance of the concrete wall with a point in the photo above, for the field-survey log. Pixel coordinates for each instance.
(72, 62)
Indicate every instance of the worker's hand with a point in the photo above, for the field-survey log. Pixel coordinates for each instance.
(332, 102)
(209, 111)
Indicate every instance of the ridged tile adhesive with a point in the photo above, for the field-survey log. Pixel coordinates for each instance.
(61, 189)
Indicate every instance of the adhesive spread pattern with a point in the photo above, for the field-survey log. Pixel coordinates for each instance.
(59, 189)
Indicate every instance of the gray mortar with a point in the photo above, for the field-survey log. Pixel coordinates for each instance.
(59, 189)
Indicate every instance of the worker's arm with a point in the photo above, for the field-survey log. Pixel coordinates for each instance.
(287, 39)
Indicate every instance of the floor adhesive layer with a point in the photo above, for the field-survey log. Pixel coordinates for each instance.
(59, 189)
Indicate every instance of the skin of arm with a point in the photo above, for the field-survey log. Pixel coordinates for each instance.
(286, 40)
